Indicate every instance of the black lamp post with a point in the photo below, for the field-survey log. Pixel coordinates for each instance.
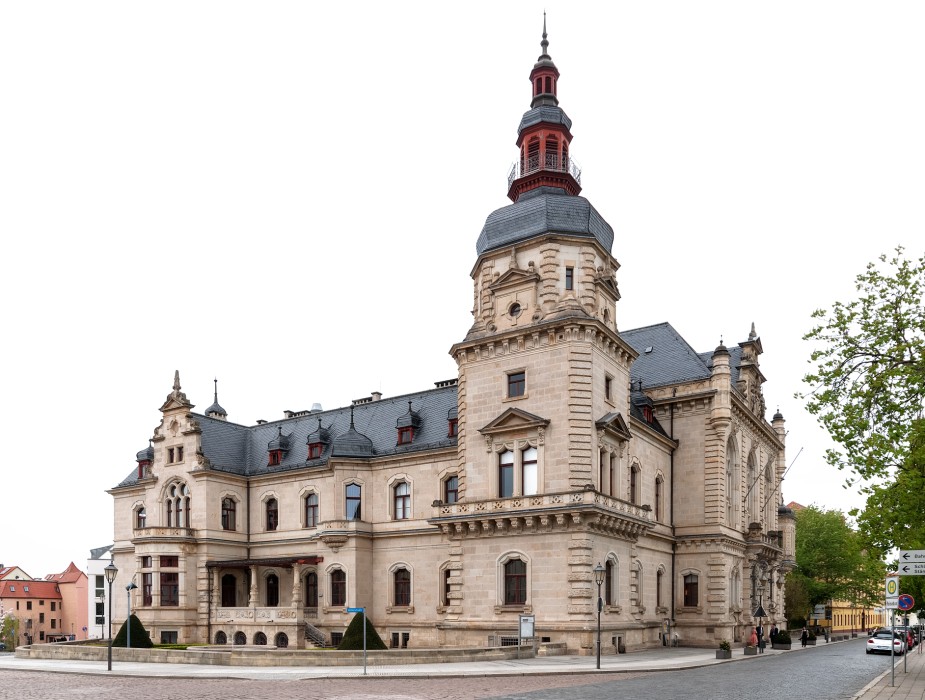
(110, 572)
(128, 616)
(599, 579)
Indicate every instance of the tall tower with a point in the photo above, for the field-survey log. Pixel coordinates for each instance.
(543, 390)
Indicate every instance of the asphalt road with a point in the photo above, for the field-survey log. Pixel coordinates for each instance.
(832, 672)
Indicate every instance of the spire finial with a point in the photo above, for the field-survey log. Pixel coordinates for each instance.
(544, 43)
(752, 335)
(351, 417)
(216, 389)
(176, 380)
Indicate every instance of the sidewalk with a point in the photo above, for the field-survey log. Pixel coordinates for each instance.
(908, 684)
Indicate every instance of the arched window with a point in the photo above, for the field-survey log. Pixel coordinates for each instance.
(691, 592)
(634, 484)
(445, 574)
(311, 590)
(229, 591)
(731, 468)
(240, 638)
(659, 575)
(659, 482)
(229, 510)
(506, 474)
(528, 471)
(515, 582)
(260, 639)
(141, 517)
(311, 510)
(752, 487)
(354, 502)
(272, 514)
(639, 580)
(178, 505)
(401, 579)
(221, 638)
(338, 587)
(281, 640)
(451, 489)
(272, 591)
(402, 494)
(610, 582)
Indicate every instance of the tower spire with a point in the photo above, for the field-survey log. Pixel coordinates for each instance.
(544, 135)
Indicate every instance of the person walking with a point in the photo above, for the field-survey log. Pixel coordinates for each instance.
(804, 637)
(760, 632)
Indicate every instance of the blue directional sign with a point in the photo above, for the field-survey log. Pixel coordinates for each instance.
(355, 610)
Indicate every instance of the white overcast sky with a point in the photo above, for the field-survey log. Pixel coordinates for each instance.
(287, 195)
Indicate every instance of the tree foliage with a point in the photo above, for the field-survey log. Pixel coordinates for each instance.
(833, 562)
(9, 631)
(353, 636)
(140, 637)
(868, 385)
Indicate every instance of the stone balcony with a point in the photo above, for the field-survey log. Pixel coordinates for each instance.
(585, 509)
(165, 534)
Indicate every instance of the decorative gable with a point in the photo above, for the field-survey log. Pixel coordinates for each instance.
(514, 419)
(615, 425)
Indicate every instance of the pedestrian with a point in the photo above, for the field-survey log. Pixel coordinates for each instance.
(774, 631)
(760, 632)
(804, 637)
(753, 639)
(825, 632)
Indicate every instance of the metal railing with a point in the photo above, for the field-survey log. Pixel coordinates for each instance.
(551, 163)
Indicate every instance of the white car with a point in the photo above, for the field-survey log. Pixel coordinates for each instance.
(880, 643)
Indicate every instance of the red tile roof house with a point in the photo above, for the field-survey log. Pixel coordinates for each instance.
(48, 610)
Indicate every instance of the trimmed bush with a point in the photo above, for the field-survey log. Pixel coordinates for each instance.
(353, 637)
(140, 637)
(782, 637)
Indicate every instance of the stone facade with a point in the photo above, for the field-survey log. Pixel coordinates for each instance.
(565, 450)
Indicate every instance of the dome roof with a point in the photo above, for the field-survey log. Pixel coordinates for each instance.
(541, 211)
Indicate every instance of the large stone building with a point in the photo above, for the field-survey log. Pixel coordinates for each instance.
(564, 443)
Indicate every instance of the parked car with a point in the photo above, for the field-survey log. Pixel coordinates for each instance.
(911, 637)
(879, 642)
(2, 646)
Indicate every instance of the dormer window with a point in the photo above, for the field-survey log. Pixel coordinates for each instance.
(277, 448)
(276, 457)
(647, 413)
(405, 435)
(453, 428)
(314, 450)
(407, 425)
(317, 440)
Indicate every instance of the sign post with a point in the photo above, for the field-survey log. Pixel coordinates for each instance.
(361, 610)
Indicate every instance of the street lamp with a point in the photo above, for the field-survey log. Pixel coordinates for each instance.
(110, 572)
(128, 620)
(599, 579)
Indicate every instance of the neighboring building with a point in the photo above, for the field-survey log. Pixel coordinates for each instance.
(448, 513)
(13, 573)
(37, 605)
(72, 584)
(97, 610)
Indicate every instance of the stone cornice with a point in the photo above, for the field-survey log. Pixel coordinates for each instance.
(587, 510)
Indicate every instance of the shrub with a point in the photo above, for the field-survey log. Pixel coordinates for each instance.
(353, 637)
(140, 637)
(724, 645)
(782, 637)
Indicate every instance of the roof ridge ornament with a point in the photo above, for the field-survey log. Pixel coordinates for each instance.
(545, 42)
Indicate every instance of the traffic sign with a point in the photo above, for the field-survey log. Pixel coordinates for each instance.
(911, 556)
(906, 602)
(892, 591)
(355, 610)
(916, 569)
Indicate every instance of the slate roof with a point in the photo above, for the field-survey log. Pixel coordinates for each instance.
(671, 359)
(242, 450)
(550, 114)
(100, 552)
(541, 211)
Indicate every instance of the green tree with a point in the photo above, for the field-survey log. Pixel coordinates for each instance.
(140, 637)
(868, 385)
(9, 632)
(834, 562)
(353, 636)
(796, 600)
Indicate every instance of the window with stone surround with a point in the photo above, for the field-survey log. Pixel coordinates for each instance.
(141, 517)
(659, 496)
(515, 582)
(229, 591)
(528, 471)
(311, 509)
(311, 589)
(402, 500)
(401, 582)
(691, 592)
(506, 474)
(229, 513)
(445, 574)
(516, 384)
(272, 514)
(610, 581)
(338, 587)
(272, 592)
(570, 278)
(634, 484)
(178, 504)
(354, 502)
(732, 467)
(451, 489)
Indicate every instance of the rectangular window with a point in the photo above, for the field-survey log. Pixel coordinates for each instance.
(451, 489)
(53, 621)
(169, 637)
(516, 384)
(145, 564)
(608, 583)
(100, 614)
(170, 562)
(453, 428)
(338, 588)
(691, 595)
(28, 605)
(336, 638)
(445, 597)
(174, 455)
(314, 450)
(569, 278)
(528, 468)
(405, 436)
(506, 474)
(170, 589)
(608, 388)
(41, 618)
(276, 457)
(147, 589)
(354, 502)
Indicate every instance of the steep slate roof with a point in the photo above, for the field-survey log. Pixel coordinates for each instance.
(99, 552)
(541, 211)
(671, 359)
(242, 449)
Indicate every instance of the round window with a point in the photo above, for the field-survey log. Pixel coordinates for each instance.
(515, 310)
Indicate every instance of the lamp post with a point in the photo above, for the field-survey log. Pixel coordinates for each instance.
(128, 619)
(599, 579)
(110, 572)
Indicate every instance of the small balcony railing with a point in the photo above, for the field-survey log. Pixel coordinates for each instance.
(551, 162)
